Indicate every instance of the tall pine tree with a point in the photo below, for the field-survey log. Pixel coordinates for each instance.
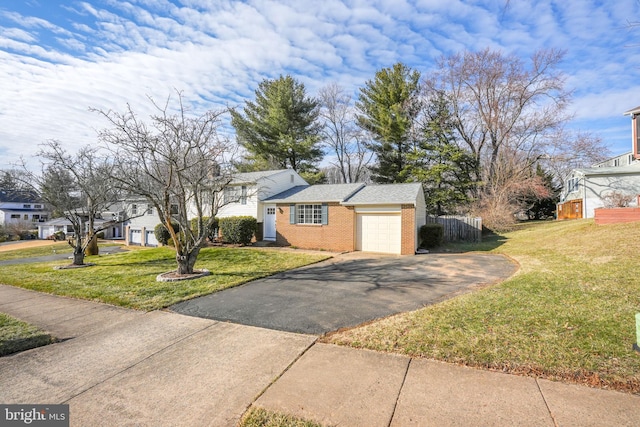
(444, 168)
(389, 106)
(280, 129)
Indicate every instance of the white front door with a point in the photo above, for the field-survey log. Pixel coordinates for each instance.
(269, 222)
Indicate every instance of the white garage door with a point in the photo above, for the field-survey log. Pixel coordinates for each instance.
(136, 237)
(379, 233)
(151, 238)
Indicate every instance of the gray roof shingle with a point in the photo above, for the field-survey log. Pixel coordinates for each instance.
(316, 193)
(386, 194)
(351, 194)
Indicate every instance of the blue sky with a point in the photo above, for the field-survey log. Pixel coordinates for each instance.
(58, 58)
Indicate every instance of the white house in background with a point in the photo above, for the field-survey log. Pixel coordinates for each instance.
(244, 196)
(21, 208)
(109, 221)
(247, 192)
(586, 189)
(139, 228)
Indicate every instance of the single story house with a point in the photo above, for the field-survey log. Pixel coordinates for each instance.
(587, 189)
(350, 217)
(49, 228)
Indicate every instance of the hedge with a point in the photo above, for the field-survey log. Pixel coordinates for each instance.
(238, 229)
(431, 235)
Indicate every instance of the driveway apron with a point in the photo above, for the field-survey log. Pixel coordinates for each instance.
(348, 290)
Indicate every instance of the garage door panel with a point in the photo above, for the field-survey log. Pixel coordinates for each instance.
(379, 233)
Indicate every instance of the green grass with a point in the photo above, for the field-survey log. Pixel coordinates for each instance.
(568, 314)
(16, 336)
(258, 417)
(129, 279)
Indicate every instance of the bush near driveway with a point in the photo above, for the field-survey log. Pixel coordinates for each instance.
(568, 314)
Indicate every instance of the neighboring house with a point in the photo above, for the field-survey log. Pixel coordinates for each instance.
(108, 221)
(350, 217)
(139, 228)
(55, 225)
(21, 208)
(244, 196)
(587, 189)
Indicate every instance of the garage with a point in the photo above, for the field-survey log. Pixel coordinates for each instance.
(151, 238)
(135, 237)
(379, 232)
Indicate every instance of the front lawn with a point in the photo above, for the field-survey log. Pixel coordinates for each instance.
(129, 279)
(568, 314)
(16, 336)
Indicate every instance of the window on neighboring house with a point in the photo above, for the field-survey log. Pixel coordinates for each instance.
(15, 216)
(243, 195)
(37, 206)
(134, 209)
(173, 210)
(309, 214)
(26, 217)
(69, 228)
(616, 162)
(149, 209)
(44, 218)
(26, 206)
(35, 218)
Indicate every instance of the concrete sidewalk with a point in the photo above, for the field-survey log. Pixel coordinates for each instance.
(125, 367)
(342, 386)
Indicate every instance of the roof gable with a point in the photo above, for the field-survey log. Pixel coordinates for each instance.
(254, 177)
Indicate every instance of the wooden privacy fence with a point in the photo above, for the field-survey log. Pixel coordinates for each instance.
(459, 228)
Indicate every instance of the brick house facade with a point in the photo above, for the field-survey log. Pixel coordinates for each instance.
(328, 217)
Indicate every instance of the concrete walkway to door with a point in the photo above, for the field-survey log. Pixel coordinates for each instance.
(348, 290)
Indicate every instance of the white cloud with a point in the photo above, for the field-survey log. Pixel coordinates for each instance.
(219, 51)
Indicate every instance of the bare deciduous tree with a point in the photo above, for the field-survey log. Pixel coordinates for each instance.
(79, 188)
(500, 103)
(503, 110)
(177, 163)
(342, 135)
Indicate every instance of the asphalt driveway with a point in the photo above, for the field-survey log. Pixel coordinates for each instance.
(348, 290)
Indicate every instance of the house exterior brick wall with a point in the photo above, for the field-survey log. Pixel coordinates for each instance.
(408, 220)
(338, 235)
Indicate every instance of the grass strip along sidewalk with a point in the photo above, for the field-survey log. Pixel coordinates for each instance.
(16, 336)
(129, 279)
(568, 314)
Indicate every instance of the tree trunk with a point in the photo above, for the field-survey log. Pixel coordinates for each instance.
(78, 257)
(92, 247)
(186, 261)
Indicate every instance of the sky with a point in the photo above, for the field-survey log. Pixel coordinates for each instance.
(58, 59)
